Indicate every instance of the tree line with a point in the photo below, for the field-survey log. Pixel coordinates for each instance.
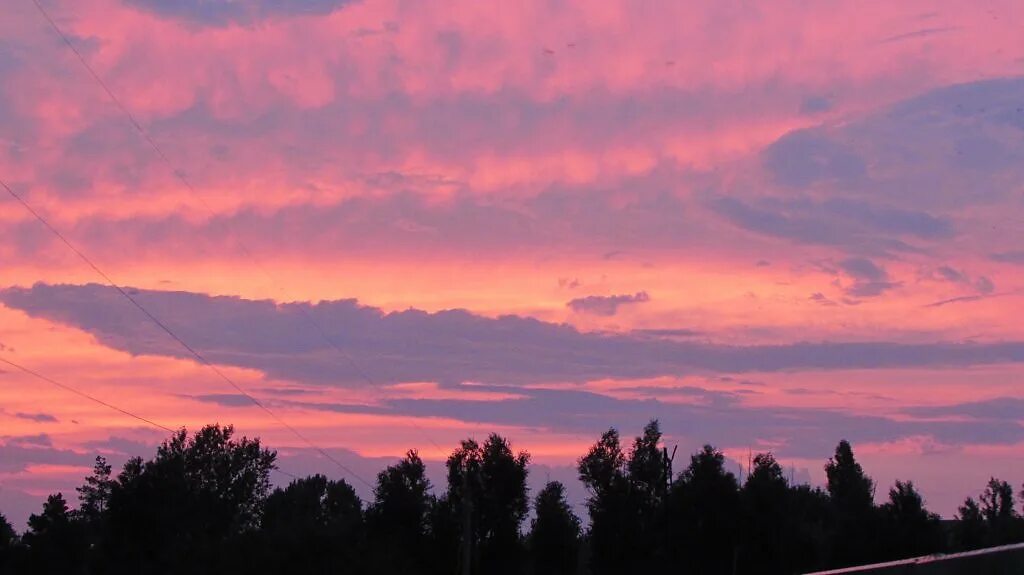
(205, 504)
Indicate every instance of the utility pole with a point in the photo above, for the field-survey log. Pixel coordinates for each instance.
(467, 522)
(667, 459)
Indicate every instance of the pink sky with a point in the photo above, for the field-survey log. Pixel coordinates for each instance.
(771, 227)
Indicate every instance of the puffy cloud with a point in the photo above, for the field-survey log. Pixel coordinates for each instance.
(605, 305)
(869, 279)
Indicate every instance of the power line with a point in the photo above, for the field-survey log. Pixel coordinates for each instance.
(106, 404)
(195, 353)
(80, 393)
(188, 184)
(179, 174)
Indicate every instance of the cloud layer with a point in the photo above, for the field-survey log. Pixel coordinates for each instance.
(770, 226)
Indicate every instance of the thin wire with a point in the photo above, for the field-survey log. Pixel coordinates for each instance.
(195, 353)
(188, 184)
(80, 393)
(106, 404)
(178, 173)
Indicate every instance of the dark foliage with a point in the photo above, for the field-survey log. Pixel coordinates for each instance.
(705, 507)
(852, 492)
(908, 528)
(487, 489)
(397, 518)
(554, 533)
(203, 504)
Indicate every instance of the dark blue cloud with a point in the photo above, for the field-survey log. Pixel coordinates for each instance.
(447, 346)
(668, 332)
(863, 269)
(949, 274)
(806, 157)
(948, 148)
(719, 418)
(1014, 257)
(850, 224)
(605, 305)
(812, 105)
(1001, 408)
(224, 399)
(869, 278)
(37, 417)
(17, 453)
(221, 12)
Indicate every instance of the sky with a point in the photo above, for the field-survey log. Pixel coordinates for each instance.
(399, 224)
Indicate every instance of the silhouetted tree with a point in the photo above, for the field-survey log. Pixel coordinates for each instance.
(648, 475)
(648, 470)
(852, 494)
(94, 496)
(910, 530)
(397, 519)
(554, 533)
(314, 525)
(614, 520)
(9, 546)
(991, 520)
(812, 523)
(55, 542)
(969, 531)
(495, 478)
(1003, 523)
(444, 531)
(706, 504)
(765, 502)
(202, 506)
(196, 493)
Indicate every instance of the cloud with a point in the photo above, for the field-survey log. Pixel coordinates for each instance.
(446, 346)
(668, 332)
(959, 299)
(18, 453)
(812, 105)
(948, 148)
(849, 224)
(999, 408)
(870, 279)
(605, 305)
(982, 284)
(224, 399)
(37, 417)
(399, 221)
(949, 274)
(863, 269)
(807, 157)
(248, 12)
(822, 299)
(920, 34)
(717, 417)
(1014, 257)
